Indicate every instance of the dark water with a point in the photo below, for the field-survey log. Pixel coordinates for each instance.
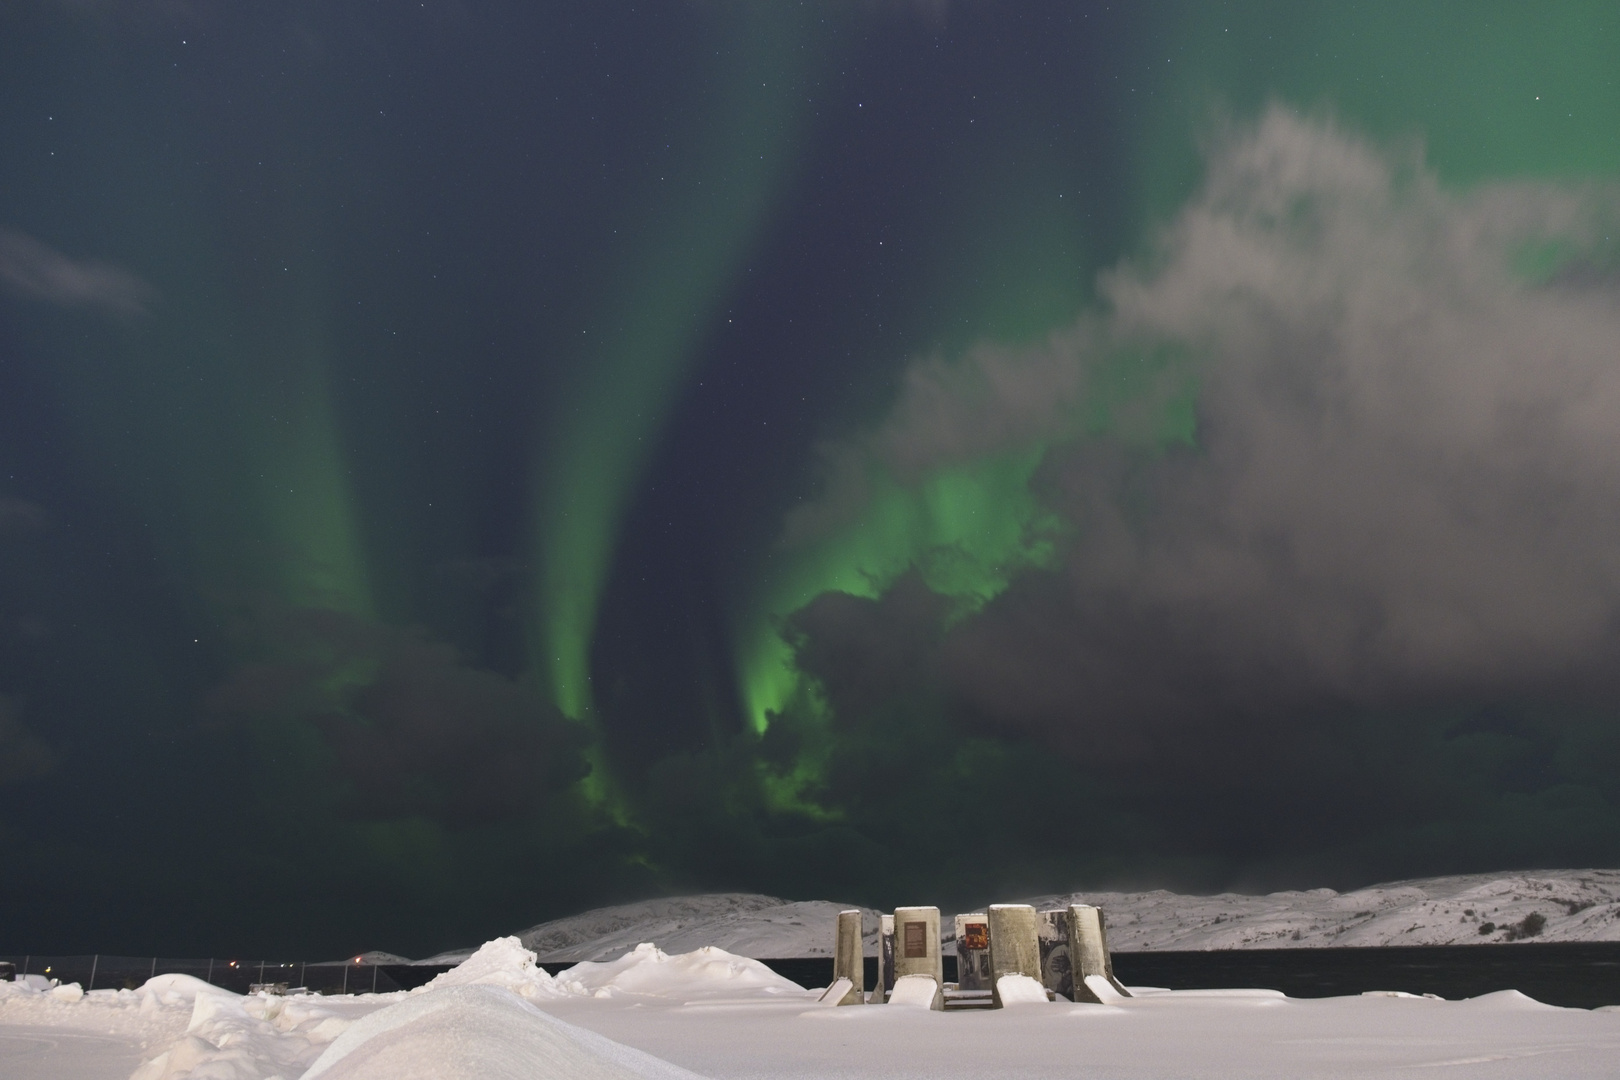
(1580, 974)
(1577, 974)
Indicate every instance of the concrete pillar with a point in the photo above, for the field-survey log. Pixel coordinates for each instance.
(1052, 931)
(973, 951)
(885, 979)
(1089, 956)
(849, 959)
(916, 946)
(1014, 945)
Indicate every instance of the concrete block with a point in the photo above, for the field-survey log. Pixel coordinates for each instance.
(849, 959)
(973, 951)
(1014, 944)
(1089, 955)
(916, 943)
(1052, 931)
(885, 980)
(918, 992)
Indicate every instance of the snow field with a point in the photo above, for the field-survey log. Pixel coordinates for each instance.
(651, 1015)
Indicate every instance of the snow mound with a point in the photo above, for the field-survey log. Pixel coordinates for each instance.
(503, 962)
(179, 989)
(244, 1038)
(479, 1032)
(650, 971)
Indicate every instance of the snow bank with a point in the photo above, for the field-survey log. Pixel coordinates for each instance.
(237, 1038)
(648, 970)
(479, 1032)
(503, 962)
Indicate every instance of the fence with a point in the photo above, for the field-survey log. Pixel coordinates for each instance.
(104, 972)
(1577, 974)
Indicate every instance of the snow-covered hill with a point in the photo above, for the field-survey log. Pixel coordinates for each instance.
(1546, 905)
(747, 924)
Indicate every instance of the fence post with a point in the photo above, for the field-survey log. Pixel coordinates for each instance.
(153, 975)
(210, 979)
(302, 964)
(26, 958)
(345, 978)
(261, 971)
(373, 978)
(94, 962)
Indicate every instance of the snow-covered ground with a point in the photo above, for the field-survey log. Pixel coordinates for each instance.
(1574, 905)
(655, 1016)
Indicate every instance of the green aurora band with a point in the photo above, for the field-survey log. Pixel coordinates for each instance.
(688, 254)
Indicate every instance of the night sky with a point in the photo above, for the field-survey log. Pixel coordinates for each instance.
(463, 462)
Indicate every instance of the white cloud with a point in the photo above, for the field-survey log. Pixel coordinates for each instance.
(31, 269)
(1406, 483)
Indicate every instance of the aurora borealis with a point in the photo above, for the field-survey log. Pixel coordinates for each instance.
(465, 462)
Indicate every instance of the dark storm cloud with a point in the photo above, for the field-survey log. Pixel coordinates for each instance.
(1406, 483)
(409, 726)
(31, 269)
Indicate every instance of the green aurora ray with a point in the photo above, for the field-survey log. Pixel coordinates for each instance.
(636, 352)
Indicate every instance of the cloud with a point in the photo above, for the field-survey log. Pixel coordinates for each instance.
(413, 729)
(31, 269)
(1405, 483)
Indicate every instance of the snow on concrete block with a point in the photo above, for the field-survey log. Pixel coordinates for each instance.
(916, 943)
(1088, 953)
(1015, 990)
(837, 993)
(973, 951)
(1100, 991)
(849, 959)
(918, 992)
(1014, 945)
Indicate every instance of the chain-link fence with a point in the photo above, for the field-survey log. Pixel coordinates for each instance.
(104, 972)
